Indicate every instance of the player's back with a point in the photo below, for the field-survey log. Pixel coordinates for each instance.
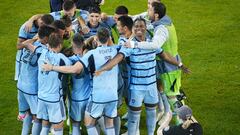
(50, 86)
(104, 86)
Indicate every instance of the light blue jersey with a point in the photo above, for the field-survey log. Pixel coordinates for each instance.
(104, 86)
(142, 64)
(93, 30)
(81, 88)
(75, 24)
(59, 14)
(49, 83)
(28, 82)
(23, 35)
(125, 68)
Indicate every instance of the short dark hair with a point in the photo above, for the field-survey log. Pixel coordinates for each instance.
(120, 10)
(68, 5)
(103, 35)
(159, 8)
(58, 24)
(45, 31)
(78, 40)
(126, 21)
(47, 19)
(55, 40)
(66, 20)
(140, 19)
(94, 9)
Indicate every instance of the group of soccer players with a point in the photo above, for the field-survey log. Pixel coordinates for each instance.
(69, 60)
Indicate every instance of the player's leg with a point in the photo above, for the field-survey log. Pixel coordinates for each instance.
(32, 101)
(45, 127)
(26, 115)
(93, 111)
(43, 115)
(172, 84)
(135, 103)
(110, 112)
(75, 116)
(57, 116)
(151, 101)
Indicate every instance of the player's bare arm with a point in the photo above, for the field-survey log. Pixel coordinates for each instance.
(170, 59)
(74, 69)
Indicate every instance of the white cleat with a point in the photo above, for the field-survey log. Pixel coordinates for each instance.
(164, 122)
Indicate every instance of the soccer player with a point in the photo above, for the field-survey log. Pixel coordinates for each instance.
(103, 101)
(94, 23)
(164, 37)
(111, 21)
(69, 9)
(25, 35)
(143, 86)
(81, 89)
(50, 102)
(28, 83)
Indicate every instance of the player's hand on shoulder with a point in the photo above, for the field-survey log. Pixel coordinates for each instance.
(47, 67)
(104, 16)
(97, 72)
(28, 26)
(85, 29)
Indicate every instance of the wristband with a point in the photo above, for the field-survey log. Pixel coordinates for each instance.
(180, 64)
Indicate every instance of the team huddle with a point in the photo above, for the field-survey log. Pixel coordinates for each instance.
(69, 66)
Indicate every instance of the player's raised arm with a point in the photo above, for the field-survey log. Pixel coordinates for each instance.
(29, 23)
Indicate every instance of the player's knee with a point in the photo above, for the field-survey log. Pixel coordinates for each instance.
(151, 105)
(108, 122)
(135, 108)
(58, 125)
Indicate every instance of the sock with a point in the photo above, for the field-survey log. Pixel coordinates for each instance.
(101, 124)
(165, 102)
(58, 131)
(91, 130)
(117, 125)
(36, 128)
(76, 128)
(151, 120)
(133, 121)
(110, 131)
(27, 121)
(160, 103)
(45, 130)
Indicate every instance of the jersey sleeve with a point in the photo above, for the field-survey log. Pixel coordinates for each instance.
(110, 21)
(22, 33)
(84, 60)
(126, 51)
(56, 15)
(160, 37)
(64, 61)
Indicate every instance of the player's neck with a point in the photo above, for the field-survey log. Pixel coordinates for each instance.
(128, 34)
